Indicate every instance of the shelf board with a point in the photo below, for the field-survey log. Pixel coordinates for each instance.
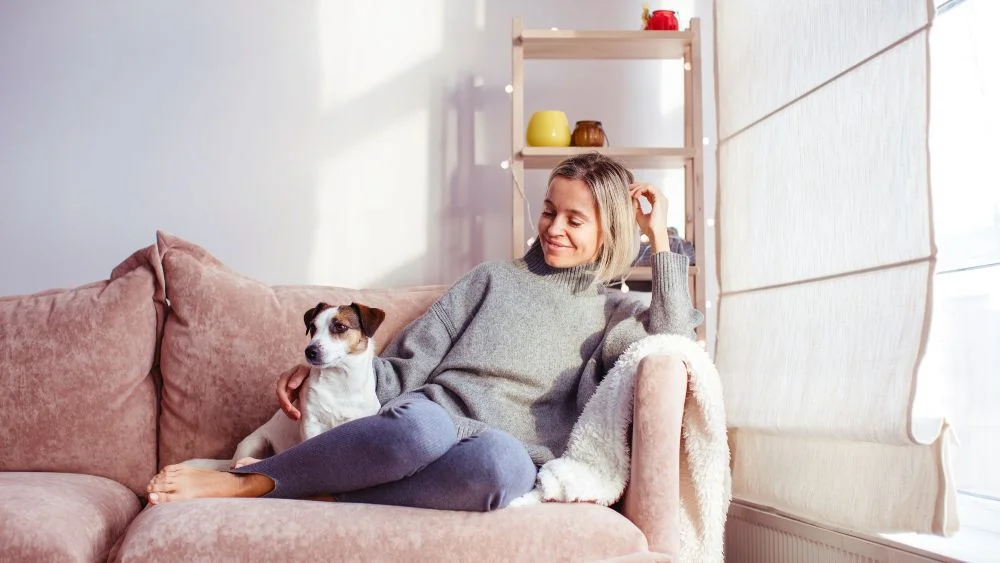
(582, 44)
(645, 273)
(641, 158)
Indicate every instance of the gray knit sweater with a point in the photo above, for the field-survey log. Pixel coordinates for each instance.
(521, 346)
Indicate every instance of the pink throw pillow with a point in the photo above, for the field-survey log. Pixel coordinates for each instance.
(77, 390)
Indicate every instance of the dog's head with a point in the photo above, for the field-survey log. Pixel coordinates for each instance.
(339, 331)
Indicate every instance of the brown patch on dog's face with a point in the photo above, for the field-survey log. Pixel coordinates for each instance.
(345, 324)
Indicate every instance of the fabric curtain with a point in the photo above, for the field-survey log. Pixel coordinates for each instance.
(826, 258)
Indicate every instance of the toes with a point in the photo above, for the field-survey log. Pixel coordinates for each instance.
(161, 498)
(160, 482)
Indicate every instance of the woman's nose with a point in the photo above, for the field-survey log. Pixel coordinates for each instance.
(556, 227)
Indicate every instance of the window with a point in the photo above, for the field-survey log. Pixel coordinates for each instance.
(962, 361)
(960, 373)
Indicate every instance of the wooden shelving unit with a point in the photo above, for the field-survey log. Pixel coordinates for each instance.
(546, 44)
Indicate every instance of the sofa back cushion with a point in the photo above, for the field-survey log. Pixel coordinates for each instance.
(226, 340)
(77, 391)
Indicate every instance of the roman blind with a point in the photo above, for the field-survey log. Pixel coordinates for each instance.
(826, 256)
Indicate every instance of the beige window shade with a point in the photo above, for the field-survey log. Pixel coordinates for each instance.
(826, 256)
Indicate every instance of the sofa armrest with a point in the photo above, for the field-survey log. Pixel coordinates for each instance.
(652, 499)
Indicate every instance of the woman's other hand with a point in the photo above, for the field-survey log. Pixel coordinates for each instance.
(288, 388)
(654, 224)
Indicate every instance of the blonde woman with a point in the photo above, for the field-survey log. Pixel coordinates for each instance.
(486, 386)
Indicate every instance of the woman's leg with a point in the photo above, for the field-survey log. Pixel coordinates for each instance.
(481, 473)
(404, 437)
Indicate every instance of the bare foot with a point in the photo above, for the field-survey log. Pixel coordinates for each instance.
(245, 461)
(181, 482)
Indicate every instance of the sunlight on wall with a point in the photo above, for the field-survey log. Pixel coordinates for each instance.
(364, 44)
(373, 192)
(480, 14)
(372, 198)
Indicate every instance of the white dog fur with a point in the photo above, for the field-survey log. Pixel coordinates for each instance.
(340, 386)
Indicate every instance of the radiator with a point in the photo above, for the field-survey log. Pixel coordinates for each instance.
(755, 535)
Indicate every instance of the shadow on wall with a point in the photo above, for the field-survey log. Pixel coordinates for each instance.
(457, 89)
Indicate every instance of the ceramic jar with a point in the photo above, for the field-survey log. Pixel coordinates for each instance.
(663, 20)
(589, 134)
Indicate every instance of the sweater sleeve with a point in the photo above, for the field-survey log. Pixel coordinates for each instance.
(670, 310)
(411, 358)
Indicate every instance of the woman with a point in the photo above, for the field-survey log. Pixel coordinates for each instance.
(486, 386)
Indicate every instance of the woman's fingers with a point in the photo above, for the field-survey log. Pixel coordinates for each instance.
(288, 390)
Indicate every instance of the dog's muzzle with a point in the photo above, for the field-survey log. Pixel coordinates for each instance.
(313, 353)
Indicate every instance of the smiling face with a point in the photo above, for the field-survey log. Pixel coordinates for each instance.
(570, 225)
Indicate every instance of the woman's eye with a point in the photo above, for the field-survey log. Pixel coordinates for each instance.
(575, 223)
(548, 214)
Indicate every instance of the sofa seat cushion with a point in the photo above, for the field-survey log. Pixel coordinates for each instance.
(61, 516)
(299, 530)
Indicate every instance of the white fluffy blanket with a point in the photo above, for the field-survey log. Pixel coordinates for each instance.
(595, 466)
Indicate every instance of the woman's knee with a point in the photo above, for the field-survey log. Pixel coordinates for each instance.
(414, 428)
(501, 470)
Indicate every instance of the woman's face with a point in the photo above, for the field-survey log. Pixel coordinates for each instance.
(569, 227)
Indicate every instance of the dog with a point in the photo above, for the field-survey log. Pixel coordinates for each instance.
(340, 386)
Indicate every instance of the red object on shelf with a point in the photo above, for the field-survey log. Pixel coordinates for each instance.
(663, 20)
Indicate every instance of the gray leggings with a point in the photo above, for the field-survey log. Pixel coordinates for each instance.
(407, 455)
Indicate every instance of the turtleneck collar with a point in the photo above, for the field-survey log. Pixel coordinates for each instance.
(578, 279)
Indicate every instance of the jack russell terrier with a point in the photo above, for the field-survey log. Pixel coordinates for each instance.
(340, 386)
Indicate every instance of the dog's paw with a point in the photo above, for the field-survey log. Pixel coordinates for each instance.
(245, 461)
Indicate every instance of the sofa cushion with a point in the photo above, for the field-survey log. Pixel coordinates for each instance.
(76, 390)
(226, 340)
(286, 530)
(61, 516)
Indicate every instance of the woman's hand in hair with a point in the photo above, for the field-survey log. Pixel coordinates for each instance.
(654, 223)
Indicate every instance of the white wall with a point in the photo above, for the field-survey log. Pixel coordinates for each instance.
(349, 143)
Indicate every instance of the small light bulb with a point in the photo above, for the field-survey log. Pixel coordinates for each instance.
(703, 344)
(624, 287)
(477, 82)
(704, 141)
(555, 29)
(687, 66)
(708, 304)
(710, 223)
(505, 164)
(531, 241)
(508, 88)
(643, 238)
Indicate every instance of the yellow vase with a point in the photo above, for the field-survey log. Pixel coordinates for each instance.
(548, 128)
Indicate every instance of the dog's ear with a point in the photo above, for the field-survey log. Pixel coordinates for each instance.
(369, 317)
(310, 315)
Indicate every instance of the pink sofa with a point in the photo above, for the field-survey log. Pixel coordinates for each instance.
(174, 357)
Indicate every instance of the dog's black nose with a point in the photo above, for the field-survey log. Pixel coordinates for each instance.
(312, 352)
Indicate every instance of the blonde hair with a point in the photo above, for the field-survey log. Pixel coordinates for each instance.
(609, 181)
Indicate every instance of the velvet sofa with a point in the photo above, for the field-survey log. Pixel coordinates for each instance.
(175, 357)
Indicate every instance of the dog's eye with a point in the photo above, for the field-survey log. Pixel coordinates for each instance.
(338, 327)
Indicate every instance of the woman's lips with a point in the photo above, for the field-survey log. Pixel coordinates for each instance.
(553, 246)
